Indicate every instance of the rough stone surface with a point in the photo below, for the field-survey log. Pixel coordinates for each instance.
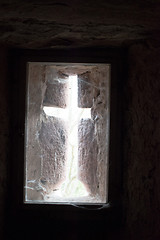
(44, 134)
(53, 138)
(85, 90)
(94, 86)
(33, 148)
(142, 144)
(55, 82)
(46, 24)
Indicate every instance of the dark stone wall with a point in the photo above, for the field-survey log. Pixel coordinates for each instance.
(141, 144)
(4, 134)
(141, 167)
(49, 23)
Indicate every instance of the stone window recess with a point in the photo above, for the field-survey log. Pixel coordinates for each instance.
(67, 133)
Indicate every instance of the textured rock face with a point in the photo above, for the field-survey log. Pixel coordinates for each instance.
(55, 82)
(44, 134)
(142, 143)
(53, 138)
(46, 24)
(94, 92)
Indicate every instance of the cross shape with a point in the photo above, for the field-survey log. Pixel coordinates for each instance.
(72, 187)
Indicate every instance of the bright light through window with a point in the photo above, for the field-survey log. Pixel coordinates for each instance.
(67, 133)
(72, 186)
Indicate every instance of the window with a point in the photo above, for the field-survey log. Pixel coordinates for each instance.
(67, 133)
(37, 150)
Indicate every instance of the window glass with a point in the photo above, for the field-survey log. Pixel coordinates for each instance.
(67, 133)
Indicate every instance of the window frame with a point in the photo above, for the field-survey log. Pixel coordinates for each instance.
(18, 80)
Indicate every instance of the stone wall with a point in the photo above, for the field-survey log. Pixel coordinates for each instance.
(49, 23)
(141, 165)
(4, 134)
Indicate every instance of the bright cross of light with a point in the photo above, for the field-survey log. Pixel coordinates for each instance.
(72, 187)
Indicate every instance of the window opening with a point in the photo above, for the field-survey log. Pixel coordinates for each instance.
(67, 133)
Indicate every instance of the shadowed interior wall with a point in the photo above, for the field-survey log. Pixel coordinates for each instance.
(4, 133)
(142, 141)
